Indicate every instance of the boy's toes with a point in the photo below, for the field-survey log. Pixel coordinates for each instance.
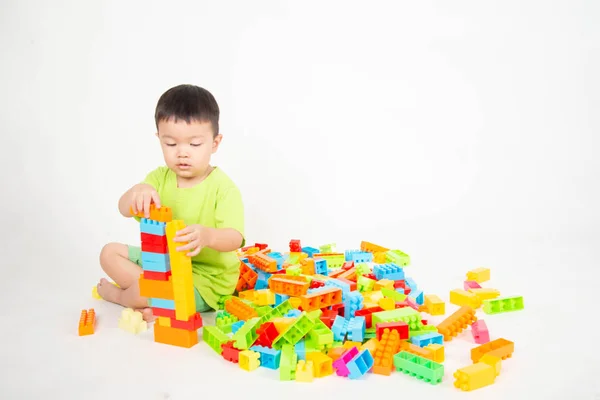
(147, 314)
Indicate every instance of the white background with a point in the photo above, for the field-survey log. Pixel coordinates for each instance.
(464, 133)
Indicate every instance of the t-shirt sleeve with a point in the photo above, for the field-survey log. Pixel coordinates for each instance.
(229, 212)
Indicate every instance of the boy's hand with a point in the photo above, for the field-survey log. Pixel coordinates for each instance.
(197, 237)
(142, 197)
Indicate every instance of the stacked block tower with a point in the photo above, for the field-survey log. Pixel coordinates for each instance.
(167, 280)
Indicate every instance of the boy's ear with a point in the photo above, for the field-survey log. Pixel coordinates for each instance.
(217, 142)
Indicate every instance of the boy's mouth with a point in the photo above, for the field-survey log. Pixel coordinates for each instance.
(183, 166)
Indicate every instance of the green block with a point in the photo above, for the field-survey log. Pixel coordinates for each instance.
(287, 363)
(334, 261)
(295, 270)
(392, 294)
(246, 335)
(419, 367)
(315, 315)
(224, 318)
(362, 269)
(214, 338)
(364, 284)
(424, 330)
(370, 335)
(295, 332)
(406, 314)
(328, 248)
(222, 300)
(320, 335)
(397, 257)
(263, 310)
(337, 344)
(503, 304)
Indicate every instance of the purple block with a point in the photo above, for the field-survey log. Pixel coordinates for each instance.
(340, 363)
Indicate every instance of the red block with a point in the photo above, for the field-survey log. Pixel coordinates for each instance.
(157, 276)
(349, 282)
(153, 239)
(338, 308)
(368, 314)
(261, 246)
(163, 312)
(401, 327)
(230, 353)
(348, 265)
(424, 321)
(316, 284)
(192, 324)
(267, 333)
(295, 246)
(155, 248)
(328, 316)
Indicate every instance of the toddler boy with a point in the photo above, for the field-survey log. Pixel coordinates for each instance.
(203, 196)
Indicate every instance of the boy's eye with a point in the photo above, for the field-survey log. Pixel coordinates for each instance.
(196, 144)
(170, 144)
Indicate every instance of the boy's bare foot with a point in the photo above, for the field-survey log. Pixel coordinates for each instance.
(109, 292)
(147, 314)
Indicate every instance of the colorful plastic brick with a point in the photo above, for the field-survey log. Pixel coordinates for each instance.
(437, 351)
(214, 338)
(434, 305)
(474, 376)
(304, 371)
(499, 348)
(480, 332)
(356, 329)
(388, 271)
(267, 333)
(485, 293)
(321, 298)
(132, 321)
(428, 338)
(263, 262)
(230, 353)
(241, 310)
(340, 365)
(360, 365)
(295, 332)
(457, 322)
(340, 328)
(322, 364)
(246, 335)
(249, 360)
(155, 288)
(353, 303)
(398, 257)
(388, 345)
(503, 304)
(288, 363)
(247, 279)
(269, 358)
(406, 314)
(461, 297)
(87, 322)
(479, 275)
(175, 336)
(400, 326)
(288, 285)
(471, 285)
(419, 367)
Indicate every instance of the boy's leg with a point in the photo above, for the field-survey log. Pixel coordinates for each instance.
(115, 261)
(201, 305)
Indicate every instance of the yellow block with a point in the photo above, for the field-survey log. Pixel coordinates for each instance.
(305, 371)
(384, 283)
(485, 293)
(295, 302)
(372, 297)
(282, 323)
(132, 321)
(379, 257)
(264, 297)
(322, 364)
(164, 321)
(493, 361)
(435, 305)
(249, 360)
(247, 295)
(370, 345)
(387, 303)
(461, 298)
(479, 275)
(349, 344)
(181, 274)
(438, 352)
(95, 294)
(474, 376)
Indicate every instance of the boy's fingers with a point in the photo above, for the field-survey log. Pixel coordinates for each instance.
(185, 238)
(156, 199)
(184, 231)
(195, 252)
(147, 200)
(140, 204)
(185, 247)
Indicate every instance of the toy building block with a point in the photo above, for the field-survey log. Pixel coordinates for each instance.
(152, 227)
(289, 285)
(419, 367)
(400, 326)
(295, 332)
(353, 302)
(406, 314)
(503, 304)
(461, 297)
(360, 365)
(267, 333)
(368, 314)
(340, 365)
(372, 248)
(437, 350)
(479, 275)
(356, 329)
(320, 336)
(426, 339)
(162, 214)
(474, 376)
(87, 322)
(264, 297)
(397, 257)
(340, 328)
(263, 262)
(388, 345)
(308, 266)
(246, 335)
(193, 323)
(269, 358)
(230, 353)
(156, 288)
(480, 332)
(387, 303)
(241, 310)
(322, 364)
(175, 336)
(304, 371)
(388, 271)
(288, 363)
(457, 322)
(320, 299)
(181, 269)
(249, 360)
(471, 285)
(499, 348)
(132, 321)
(485, 293)
(416, 350)
(157, 276)
(383, 283)
(214, 338)
(247, 278)
(370, 345)
(164, 321)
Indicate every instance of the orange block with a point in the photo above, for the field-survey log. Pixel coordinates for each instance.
(308, 266)
(156, 289)
(263, 262)
(87, 320)
(321, 299)
(237, 307)
(456, 322)
(175, 336)
(419, 351)
(291, 287)
(162, 214)
(336, 352)
(384, 354)
(372, 248)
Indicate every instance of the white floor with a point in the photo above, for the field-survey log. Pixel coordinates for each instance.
(556, 343)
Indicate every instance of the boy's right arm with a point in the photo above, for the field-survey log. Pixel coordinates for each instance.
(138, 199)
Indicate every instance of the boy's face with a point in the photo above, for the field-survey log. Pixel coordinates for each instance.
(187, 148)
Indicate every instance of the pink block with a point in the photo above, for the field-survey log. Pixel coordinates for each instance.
(412, 304)
(472, 285)
(480, 332)
(340, 363)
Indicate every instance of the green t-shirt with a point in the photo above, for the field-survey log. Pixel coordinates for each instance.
(216, 202)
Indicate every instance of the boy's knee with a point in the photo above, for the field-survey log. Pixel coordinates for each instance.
(109, 251)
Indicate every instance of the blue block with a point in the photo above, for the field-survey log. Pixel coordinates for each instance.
(339, 328)
(356, 329)
(311, 251)
(339, 284)
(152, 227)
(237, 325)
(360, 365)
(293, 314)
(269, 358)
(428, 338)
(354, 302)
(280, 298)
(246, 261)
(263, 280)
(389, 271)
(278, 257)
(321, 267)
(418, 296)
(300, 350)
(358, 256)
(411, 283)
(162, 303)
(156, 262)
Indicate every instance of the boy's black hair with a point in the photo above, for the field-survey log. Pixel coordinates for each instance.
(188, 103)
